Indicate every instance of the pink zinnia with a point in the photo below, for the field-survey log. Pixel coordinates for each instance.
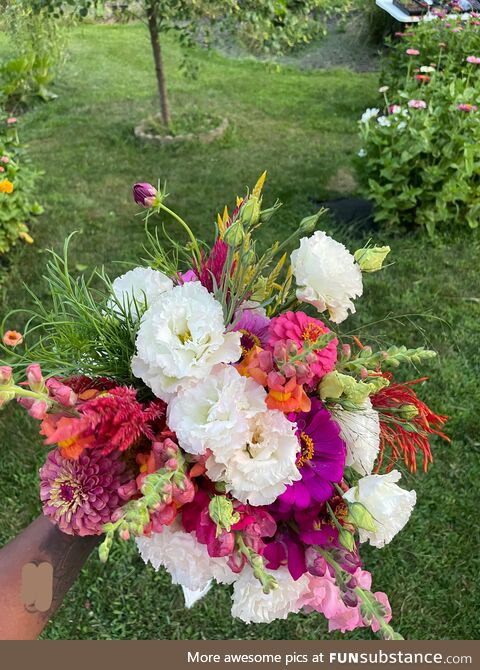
(466, 107)
(417, 104)
(473, 59)
(80, 496)
(299, 328)
(413, 52)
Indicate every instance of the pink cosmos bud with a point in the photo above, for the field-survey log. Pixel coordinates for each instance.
(144, 194)
(346, 350)
(62, 393)
(5, 375)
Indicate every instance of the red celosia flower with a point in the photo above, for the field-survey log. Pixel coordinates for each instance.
(212, 267)
(109, 420)
(406, 423)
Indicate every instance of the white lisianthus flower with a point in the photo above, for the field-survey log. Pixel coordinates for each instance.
(182, 555)
(137, 289)
(360, 431)
(252, 605)
(361, 153)
(370, 113)
(181, 338)
(390, 506)
(265, 465)
(327, 275)
(215, 413)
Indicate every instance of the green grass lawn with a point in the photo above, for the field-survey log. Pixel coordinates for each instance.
(301, 126)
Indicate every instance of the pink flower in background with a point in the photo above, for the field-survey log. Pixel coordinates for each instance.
(417, 104)
(4, 159)
(422, 78)
(467, 107)
(11, 120)
(394, 109)
(473, 59)
(412, 52)
(2, 169)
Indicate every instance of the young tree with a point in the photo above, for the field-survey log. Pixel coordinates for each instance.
(264, 25)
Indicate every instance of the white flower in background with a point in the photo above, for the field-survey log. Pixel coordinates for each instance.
(181, 338)
(252, 605)
(384, 122)
(427, 68)
(182, 555)
(266, 464)
(370, 113)
(402, 125)
(139, 287)
(362, 153)
(215, 412)
(390, 506)
(327, 275)
(360, 431)
(383, 89)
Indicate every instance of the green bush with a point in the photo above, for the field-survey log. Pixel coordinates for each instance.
(420, 156)
(35, 52)
(17, 181)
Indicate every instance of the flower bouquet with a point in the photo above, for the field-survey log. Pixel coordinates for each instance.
(199, 405)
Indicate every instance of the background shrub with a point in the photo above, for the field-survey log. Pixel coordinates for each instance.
(420, 161)
(35, 51)
(17, 182)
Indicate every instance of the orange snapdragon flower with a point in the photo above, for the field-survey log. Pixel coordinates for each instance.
(284, 394)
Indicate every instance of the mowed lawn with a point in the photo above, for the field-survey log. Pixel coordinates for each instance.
(301, 127)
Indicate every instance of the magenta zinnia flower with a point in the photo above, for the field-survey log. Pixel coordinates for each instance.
(321, 459)
(301, 329)
(80, 496)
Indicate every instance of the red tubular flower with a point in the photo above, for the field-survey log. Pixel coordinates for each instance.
(406, 424)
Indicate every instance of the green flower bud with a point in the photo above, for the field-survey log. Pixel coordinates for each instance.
(361, 517)
(308, 224)
(408, 412)
(346, 539)
(222, 513)
(371, 259)
(250, 212)
(331, 386)
(234, 235)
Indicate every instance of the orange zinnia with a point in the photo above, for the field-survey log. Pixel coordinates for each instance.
(6, 186)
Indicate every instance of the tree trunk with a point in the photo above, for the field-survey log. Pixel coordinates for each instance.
(152, 15)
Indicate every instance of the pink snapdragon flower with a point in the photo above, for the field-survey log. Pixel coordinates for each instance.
(417, 104)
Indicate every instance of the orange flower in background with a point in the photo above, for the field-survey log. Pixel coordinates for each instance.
(12, 337)
(6, 186)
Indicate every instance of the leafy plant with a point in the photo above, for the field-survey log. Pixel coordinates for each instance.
(17, 182)
(420, 160)
(36, 50)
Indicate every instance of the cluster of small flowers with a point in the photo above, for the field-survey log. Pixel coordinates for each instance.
(234, 469)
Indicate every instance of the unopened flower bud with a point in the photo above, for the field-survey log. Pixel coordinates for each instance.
(144, 194)
(371, 259)
(35, 377)
(346, 351)
(62, 393)
(311, 358)
(250, 211)
(6, 375)
(124, 534)
(289, 370)
(171, 464)
(292, 348)
(363, 373)
(408, 412)
(234, 235)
